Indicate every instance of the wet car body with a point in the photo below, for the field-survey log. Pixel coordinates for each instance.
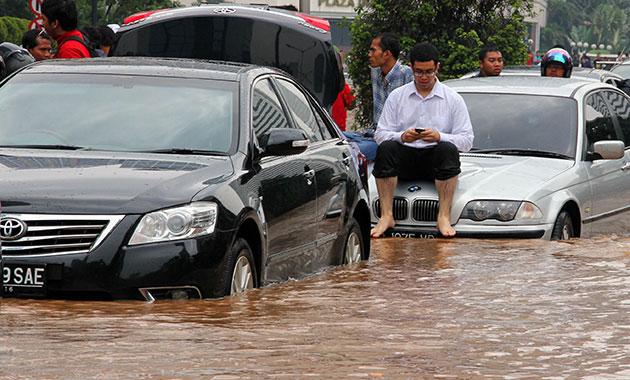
(71, 215)
(533, 153)
(260, 35)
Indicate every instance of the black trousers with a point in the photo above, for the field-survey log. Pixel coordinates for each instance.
(394, 159)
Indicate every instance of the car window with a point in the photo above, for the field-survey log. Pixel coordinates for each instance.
(323, 126)
(300, 109)
(267, 112)
(119, 112)
(620, 107)
(526, 122)
(599, 121)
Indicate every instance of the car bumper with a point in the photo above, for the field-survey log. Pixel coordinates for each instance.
(179, 269)
(468, 231)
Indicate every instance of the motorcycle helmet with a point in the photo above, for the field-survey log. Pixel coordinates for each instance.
(13, 58)
(560, 56)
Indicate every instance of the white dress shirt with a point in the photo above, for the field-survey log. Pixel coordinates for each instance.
(443, 109)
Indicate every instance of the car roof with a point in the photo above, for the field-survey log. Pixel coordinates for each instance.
(149, 66)
(279, 17)
(526, 85)
(581, 72)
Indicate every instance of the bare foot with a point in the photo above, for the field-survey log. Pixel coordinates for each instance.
(383, 225)
(445, 228)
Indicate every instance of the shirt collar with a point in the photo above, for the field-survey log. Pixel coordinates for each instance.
(437, 90)
(393, 72)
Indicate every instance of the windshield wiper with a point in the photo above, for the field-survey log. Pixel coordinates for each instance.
(183, 151)
(42, 146)
(523, 152)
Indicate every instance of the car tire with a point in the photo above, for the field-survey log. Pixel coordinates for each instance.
(240, 273)
(353, 247)
(563, 227)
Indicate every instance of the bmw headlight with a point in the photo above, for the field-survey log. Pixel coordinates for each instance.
(503, 211)
(195, 219)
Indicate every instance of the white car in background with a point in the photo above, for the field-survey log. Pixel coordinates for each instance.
(551, 160)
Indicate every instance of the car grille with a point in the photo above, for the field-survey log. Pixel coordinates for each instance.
(58, 234)
(400, 209)
(424, 210)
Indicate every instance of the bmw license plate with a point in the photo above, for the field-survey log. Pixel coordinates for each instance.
(24, 279)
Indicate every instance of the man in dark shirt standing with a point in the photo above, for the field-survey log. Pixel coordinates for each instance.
(60, 21)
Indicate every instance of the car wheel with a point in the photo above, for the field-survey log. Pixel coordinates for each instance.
(563, 228)
(241, 269)
(353, 251)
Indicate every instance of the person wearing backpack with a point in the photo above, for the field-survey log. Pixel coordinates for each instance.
(60, 21)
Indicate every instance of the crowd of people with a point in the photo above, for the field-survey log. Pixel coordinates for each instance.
(59, 38)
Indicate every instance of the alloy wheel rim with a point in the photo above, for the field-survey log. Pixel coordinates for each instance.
(353, 249)
(242, 277)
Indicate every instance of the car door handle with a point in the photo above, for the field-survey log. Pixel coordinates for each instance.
(626, 166)
(346, 161)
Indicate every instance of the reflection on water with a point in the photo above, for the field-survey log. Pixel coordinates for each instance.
(419, 308)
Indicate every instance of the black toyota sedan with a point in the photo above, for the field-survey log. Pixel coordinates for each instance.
(146, 178)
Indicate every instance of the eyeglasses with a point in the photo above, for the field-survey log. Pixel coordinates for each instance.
(424, 73)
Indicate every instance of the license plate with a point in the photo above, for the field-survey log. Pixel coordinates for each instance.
(416, 235)
(27, 279)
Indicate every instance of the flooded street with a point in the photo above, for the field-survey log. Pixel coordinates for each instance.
(417, 309)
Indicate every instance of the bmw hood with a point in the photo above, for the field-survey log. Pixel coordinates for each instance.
(103, 182)
(486, 176)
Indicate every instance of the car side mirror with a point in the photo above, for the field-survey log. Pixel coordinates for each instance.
(284, 142)
(608, 150)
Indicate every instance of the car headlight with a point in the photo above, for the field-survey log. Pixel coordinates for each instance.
(195, 219)
(503, 211)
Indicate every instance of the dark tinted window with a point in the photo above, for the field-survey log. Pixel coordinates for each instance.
(301, 110)
(119, 112)
(621, 109)
(599, 121)
(238, 39)
(267, 112)
(505, 121)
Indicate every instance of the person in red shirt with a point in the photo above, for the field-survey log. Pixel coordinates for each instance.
(344, 102)
(60, 21)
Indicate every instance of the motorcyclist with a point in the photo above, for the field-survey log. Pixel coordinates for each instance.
(12, 58)
(556, 63)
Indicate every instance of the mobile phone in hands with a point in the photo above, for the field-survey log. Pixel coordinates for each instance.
(419, 130)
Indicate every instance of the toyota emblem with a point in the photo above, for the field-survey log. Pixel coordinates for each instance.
(12, 228)
(224, 11)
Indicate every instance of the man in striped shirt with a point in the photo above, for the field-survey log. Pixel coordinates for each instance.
(387, 72)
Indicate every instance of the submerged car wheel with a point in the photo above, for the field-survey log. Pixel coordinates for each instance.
(353, 249)
(563, 228)
(241, 275)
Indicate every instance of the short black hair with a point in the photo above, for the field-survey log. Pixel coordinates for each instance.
(93, 34)
(29, 38)
(64, 11)
(485, 49)
(558, 46)
(424, 52)
(389, 41)
(107, 35)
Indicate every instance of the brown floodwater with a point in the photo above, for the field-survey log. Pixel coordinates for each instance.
(417, 309)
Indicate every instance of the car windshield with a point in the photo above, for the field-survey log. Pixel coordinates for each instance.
(623, 70)
(523, 123)
(119, 113)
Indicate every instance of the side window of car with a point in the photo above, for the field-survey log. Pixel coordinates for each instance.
(323, 126)
(300, 109)
(267, 112)
(621, 109)
(599, 121)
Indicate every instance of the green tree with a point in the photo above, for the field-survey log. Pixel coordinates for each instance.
(12, 29)
(458, 28)
(114, 11)
(15, 8)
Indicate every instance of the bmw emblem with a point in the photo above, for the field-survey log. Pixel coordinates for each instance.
(12, 228)
(413, 189)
